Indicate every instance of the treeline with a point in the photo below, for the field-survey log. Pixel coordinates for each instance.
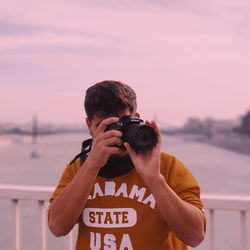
(244, 128)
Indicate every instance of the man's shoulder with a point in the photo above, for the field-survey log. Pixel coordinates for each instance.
(73, 167)
(167, 160)
(171, 164)
(166, 163)
(166, 156)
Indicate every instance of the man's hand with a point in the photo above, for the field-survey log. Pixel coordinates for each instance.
(103, 143)
(148, 164)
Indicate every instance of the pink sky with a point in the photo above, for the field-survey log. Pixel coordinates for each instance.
(183, 58)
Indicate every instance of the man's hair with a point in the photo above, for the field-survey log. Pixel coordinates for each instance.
(109, 98)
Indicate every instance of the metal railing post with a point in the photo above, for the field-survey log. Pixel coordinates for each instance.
(70, 240)
(243, 230)
(211, 232)
(16, 224)
(43, 225)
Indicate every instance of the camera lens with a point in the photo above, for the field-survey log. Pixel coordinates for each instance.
(145, 137)
(141, 137)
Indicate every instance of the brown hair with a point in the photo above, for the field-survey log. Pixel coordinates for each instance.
(109, 97)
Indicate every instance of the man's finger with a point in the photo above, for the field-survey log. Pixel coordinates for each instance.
(103, 125)
(130, 151)
(113, 141)
(157, 130)
(155, 127)
(112, 133)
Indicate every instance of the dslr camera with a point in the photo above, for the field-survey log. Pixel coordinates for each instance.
(141, 137)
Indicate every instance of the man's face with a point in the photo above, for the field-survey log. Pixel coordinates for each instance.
(98, 118)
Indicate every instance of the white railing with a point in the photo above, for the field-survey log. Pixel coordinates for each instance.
(227, 202)
(41, 195)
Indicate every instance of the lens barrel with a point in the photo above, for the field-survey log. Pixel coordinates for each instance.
(141, 137)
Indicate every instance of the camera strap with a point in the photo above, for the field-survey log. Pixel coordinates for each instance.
(115, 166)
(86, 147)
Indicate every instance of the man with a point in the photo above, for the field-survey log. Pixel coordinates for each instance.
(121, 199)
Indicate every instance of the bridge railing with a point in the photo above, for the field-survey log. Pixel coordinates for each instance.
(214, 202)
(41, 194)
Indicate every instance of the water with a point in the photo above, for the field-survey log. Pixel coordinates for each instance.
(217, 170)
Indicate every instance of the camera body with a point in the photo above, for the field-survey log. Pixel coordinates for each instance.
(141, 137)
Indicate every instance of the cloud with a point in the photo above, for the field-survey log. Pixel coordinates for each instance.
(52, 39)
(19, 39)
(13, 29)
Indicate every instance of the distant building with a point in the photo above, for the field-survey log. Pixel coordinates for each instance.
(7, 126)
(208, 126)
(244, 126)
(36, 128)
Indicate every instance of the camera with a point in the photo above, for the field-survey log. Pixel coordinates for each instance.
(141, 137)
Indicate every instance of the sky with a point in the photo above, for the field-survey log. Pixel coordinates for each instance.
(183, 58)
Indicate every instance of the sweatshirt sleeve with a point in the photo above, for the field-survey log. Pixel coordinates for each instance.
(66, 177)
(181, 180)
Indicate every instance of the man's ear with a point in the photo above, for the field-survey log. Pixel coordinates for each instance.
(88, 123)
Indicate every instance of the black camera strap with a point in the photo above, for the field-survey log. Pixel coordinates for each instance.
(115, 166)
(86, 147)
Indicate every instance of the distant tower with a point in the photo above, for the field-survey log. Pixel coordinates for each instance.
(34, 131)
